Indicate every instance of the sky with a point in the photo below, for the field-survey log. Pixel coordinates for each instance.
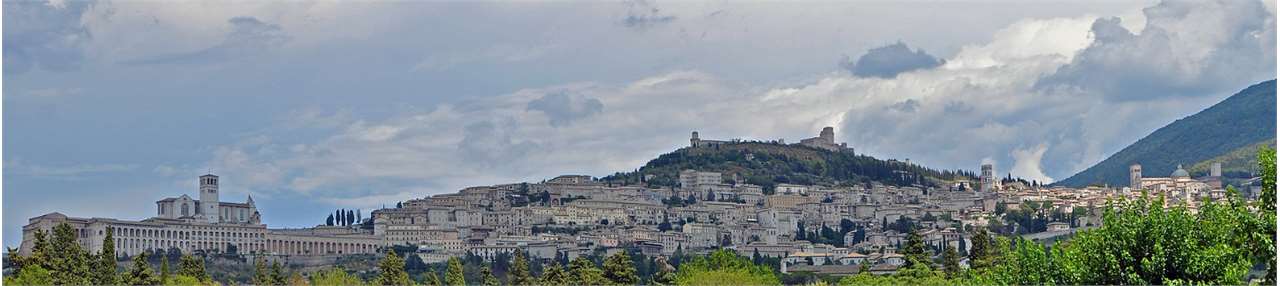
(109, 105)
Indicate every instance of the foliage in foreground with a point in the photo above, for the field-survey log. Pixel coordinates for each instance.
(724, 267)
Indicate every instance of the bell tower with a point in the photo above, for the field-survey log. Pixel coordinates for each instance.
(209, 198)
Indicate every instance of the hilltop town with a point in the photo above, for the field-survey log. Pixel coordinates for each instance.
(832, 227)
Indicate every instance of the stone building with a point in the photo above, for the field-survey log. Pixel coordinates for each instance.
(204, 225)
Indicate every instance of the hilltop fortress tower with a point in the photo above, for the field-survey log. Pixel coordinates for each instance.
(826, 140)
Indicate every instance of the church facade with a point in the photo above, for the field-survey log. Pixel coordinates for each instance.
(204, 225)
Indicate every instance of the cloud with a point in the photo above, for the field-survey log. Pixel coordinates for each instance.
(1186, 48)
(55, 92)
(1026, 163)
(889, 61)
(248, 36)
(562, 108)
(501, 53)
(982, 105)
(643, 14)
(45, 35)
(71, 172)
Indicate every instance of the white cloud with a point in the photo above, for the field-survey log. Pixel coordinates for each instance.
(980, 107)
(69, 172)
(1026, 163)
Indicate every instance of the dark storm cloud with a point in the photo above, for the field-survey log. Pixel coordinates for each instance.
(562, 108)
(248, 36)
(1186, 49)
(41, 35)
(889, 61)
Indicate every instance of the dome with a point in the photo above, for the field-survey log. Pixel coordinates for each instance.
(1180, 173)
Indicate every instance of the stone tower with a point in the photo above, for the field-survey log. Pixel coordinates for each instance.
(693, 141)
(209, 198)
(987, 179)
(1135, 176)
(828, 134)
(1216, 170)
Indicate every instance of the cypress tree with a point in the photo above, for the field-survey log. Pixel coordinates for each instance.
(68, 261)
(951, 262)
(915, 251)
(277, 274)
(519, 273)
(487, 278)
(454, 277)
(554, 276)
(979, 251)
(140, 273)
(104, 268)
(619, 269)
(392, 270)
(191, 266)
(260, 274)
(584, 272)
(164, 270)
(432, 278)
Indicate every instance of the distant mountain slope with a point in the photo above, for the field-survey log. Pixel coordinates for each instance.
(768, 164)
(1239, 163)
(1244, 119)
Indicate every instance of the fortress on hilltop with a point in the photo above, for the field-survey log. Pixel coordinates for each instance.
(826, 140)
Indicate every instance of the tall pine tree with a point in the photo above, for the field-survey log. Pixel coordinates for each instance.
(391, 270)
(519, 273)
(453, 276)
(68, 261)
(619, 269)
(104, 266)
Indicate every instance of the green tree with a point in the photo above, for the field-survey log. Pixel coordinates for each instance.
(68, 262)
(277, 274)
(140, 272)
(915, 251)
(164, 269)
(724, 267)
(1267, 210)
(33, 274)
(104, 266)
(296, 279)
(951, 262)
(192, 266)
(584, 272)
(391, 270)
(979, 251)
(183, 280)
(335, 277)
(619, 269)
(487, 278)
(453, 276)
(553, 275)
(519, 272)
(431, 279)
(260, 274)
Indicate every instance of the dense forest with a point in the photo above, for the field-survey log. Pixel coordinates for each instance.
(769, 163)
(1244, 119)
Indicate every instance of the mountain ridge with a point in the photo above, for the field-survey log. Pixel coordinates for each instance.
(1245, 118)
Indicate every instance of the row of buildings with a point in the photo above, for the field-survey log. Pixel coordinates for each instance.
(575, 215)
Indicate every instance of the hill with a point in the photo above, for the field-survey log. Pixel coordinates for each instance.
(1244, 119)
(1239, 163)
(768, 164)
